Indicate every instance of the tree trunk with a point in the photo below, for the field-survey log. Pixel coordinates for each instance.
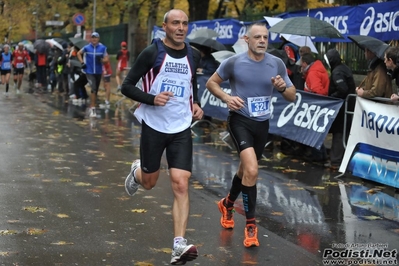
(133, 26)
(152, 18)
(198, 10)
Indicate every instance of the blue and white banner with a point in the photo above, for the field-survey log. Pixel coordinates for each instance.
(379, 20)
(310, 116)
(372, 151)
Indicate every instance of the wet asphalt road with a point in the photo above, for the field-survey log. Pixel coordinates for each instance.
(63, 200)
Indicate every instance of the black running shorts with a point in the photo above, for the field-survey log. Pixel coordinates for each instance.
(179, 149)
(247, 133)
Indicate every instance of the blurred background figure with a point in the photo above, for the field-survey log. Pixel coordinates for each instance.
(122, 57)
(208, 64)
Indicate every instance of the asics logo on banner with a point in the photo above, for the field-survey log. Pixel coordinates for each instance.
(170, 81)
(225, 31)
(339, 22)
(209, 98)
(382, 22)
(195, 28)
(242, 31)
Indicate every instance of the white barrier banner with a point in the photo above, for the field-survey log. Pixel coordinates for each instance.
(373, 146)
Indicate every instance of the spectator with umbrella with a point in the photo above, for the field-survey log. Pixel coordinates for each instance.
(377, 82)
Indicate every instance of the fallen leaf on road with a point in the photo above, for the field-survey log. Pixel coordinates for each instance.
(7, 232)
(33, 209)
(373, 191)
(35, 231)
(82, 184)
(277, 213)
(371, 217)
(62, 215)
(318, 187)
(62, 243)
(139, 210)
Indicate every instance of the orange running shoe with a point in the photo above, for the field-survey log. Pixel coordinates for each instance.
(227, 215)
(251, 236)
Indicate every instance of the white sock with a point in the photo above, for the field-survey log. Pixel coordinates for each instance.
(176, 241)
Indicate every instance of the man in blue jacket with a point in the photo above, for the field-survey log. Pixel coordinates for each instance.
(92, 56)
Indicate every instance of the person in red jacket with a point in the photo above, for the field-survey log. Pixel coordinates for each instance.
(123, 59)
(315, 74)
(316, 81)
(20, 59)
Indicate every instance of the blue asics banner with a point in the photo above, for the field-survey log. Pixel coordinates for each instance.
(307, 120)
(379, 20)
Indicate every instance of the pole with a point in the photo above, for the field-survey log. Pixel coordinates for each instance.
(94, 15)
(36, 28)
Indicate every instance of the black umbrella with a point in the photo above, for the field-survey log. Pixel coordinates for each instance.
(78, 42)
(208, 42)
(42, 46)
(307, 26)
(376, 46)
(279, 53)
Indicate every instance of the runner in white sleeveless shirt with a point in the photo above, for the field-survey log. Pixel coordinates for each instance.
(169, 103)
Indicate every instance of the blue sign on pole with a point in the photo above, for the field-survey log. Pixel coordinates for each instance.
(79, 19)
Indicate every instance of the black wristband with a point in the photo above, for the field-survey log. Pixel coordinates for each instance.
(282, 90)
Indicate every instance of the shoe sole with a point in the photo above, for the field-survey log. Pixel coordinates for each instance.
(253, 244)
(189, 255)
(221, 218)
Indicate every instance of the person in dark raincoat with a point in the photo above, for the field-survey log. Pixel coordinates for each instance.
(342, 84)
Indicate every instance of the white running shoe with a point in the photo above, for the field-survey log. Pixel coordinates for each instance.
(183, 253)
(18, 91)
(131, 186)
(93, 112)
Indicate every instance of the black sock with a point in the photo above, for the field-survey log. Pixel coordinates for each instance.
(249, 195)
(235, 191)
(7, 87)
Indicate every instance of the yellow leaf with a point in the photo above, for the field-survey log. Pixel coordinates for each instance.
(35, 231)
(91, 173)
(7, 232)
(33, 209)
(139, 210)
(372, 217)
(373, 191)
(61, 215)
(318, 187)
(82, 184)
(277, 213)
(62, 243)
(355, 183)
